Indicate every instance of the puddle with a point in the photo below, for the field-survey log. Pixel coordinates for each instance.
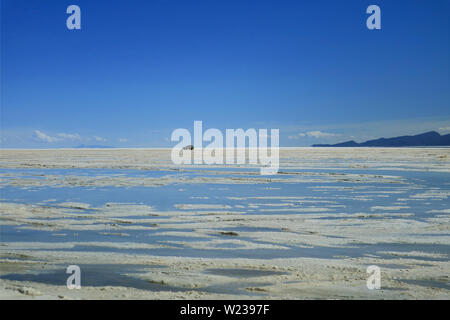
(97, 275)
(101, 275)
(431, 283)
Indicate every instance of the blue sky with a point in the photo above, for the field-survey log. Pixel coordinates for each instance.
(137, 70)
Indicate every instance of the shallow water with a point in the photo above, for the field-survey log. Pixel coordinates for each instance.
(333, 197)
(336, 193)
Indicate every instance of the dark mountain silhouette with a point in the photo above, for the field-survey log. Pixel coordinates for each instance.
(427, 139)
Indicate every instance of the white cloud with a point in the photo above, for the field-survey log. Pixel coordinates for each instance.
(320, 134)
(312, 134)
(123, 140)
(41, 136)
(99, 139)
(445, 129)
(44, 137)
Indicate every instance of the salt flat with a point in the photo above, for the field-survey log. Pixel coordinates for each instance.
(141, 227)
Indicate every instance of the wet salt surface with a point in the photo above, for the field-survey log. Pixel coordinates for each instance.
(335, 197)
(18, 234)
(430, 283)
(243, 273)
(178, 250)
(340, 197)
(127, 275)
(97, 276)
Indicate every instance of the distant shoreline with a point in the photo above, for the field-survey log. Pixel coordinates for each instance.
(281, 148)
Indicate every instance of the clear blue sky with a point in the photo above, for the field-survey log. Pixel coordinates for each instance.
(139, 69)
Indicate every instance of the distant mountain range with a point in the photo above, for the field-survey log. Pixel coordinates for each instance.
(427, 139)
